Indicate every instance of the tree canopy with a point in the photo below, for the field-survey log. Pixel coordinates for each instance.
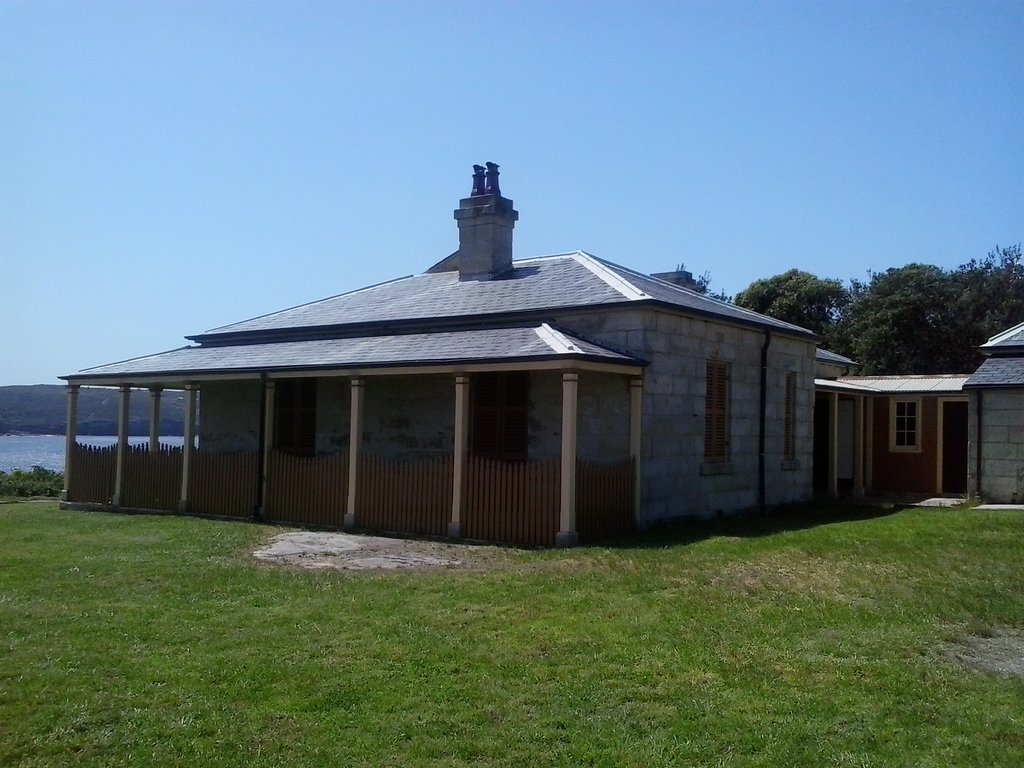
(801, 298)
(915, 319)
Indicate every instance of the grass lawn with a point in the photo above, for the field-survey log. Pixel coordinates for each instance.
(817, 638)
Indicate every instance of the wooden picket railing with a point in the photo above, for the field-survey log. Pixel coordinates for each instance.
(604, 498)
(152, 479)
(93, 473)
(407, 496)
(223, 483)
(307, 490)
(513, 502)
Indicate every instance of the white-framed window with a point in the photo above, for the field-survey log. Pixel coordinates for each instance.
(905, 424)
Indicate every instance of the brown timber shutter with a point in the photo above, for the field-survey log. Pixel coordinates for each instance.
(789, 418)
(501, 415)
(716, 416)
(295, 425)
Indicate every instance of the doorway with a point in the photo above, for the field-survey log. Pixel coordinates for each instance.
(954, 446)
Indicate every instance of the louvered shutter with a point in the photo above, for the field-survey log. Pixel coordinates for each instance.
(716, 416)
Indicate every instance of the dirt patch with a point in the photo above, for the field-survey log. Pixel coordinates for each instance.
(1001, 653)
(344, 551)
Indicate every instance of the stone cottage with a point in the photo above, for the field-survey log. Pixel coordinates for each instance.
(531, 400)
(997, 419)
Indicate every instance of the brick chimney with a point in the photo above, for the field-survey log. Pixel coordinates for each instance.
(680, 277)
(485, 220)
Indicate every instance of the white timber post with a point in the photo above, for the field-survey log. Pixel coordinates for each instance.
(459, 458)
(188, 444)
(567, 535)
(858, 457)
(355, 444)
(833, 448)
(636, 413)
(154, 419)
(268, 444)
(70, 435)
(124, 395)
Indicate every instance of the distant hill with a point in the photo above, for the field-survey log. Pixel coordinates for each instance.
(41, 409)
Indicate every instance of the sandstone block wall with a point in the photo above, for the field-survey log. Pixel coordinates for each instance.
(409, 417)
(230, 416)
(675, 480)
(1001, 446)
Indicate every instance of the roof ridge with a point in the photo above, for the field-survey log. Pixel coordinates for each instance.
(1003, 335)
(135, 359)
(609, 276)
(757, 316)
(557, 340)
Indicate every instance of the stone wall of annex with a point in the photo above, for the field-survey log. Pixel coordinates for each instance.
(229, 416)
(676, 482)
(602, 419)
(406, 417)
(1001, 447)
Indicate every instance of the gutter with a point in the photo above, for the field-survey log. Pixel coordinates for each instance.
(763, 417)
(978, 444)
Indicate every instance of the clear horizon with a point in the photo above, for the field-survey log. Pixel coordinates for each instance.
(171, 167)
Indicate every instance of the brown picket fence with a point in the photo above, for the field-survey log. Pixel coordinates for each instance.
(152, 479)
(223, 483)
(408, 496)
(307, 490)
(93, 473)
(512, 501)
(604, 498)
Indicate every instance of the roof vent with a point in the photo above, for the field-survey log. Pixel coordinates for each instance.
(485, 220)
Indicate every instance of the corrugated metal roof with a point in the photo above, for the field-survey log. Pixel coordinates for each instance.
(922, 384)
(524, 343)
(834, 385)
(556, 282)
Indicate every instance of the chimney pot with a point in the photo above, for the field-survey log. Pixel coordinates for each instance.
(485, 221)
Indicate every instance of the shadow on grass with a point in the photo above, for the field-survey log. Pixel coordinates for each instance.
(791, 518)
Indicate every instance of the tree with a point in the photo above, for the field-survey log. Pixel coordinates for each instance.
(920, 319)
(800, 298)
(991, 293)
(906, 320)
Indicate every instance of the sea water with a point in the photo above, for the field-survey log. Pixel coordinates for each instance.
(47, 451)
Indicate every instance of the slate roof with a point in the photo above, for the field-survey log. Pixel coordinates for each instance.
(532, 343)
(824, 356)
(1010, 339)
(558, 282)
(999, 372)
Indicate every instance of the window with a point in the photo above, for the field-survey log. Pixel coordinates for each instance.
(716, 413)
(500, 411)
(789, 419)
(904, 425)
(295, 416)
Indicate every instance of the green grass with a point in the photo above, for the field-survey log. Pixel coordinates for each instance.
(812, 639)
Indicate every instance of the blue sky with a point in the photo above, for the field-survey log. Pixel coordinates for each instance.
(169, 167)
